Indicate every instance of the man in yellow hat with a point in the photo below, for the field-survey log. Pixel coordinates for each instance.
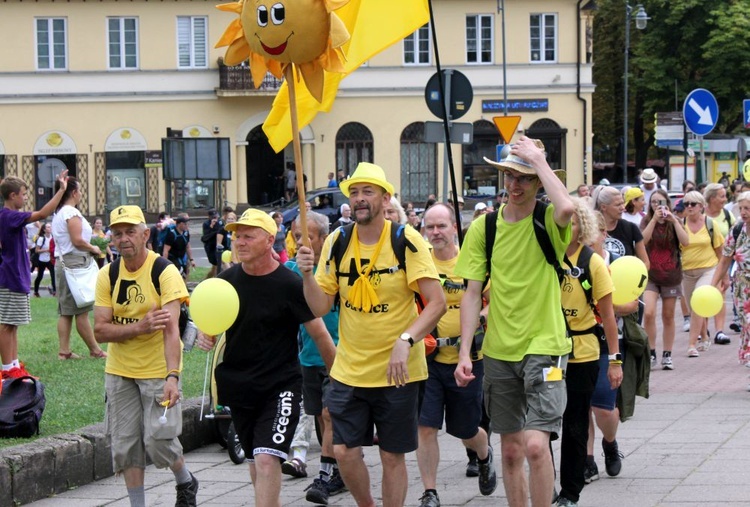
(260, 378)
(525, 347)
(141, 323)
(380, 357)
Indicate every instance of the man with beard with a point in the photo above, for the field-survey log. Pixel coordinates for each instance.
(380, 358)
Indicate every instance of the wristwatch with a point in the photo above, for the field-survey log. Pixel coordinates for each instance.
(615, 357)
(407, 338)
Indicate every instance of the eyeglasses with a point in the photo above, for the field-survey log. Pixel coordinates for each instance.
(690, 204)
(524, 179)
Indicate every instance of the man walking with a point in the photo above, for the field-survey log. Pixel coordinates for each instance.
(140, 321)
(380, 357)
(462, 406)
(177, 245)
(525, 347)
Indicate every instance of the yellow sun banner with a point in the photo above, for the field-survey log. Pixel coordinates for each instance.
(374, 25)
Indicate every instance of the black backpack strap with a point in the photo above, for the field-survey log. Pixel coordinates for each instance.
(542, 237)
(339, 246)
(157, 268)
(737, 229)
(490, 231)
(114, 272)
(584, 277)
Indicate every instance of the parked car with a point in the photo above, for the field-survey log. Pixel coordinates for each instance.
(327, 200)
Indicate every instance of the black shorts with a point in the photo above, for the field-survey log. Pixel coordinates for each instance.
(392, 410)
(267, 427)
(462, 406)
(315, 385)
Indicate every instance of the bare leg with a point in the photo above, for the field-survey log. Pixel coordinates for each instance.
(541, 468)
(134, 477)
(8, 343)
(479, 443)
(266, 480)
(64, 325)
(83, 326)
(608, 421)
(355, 474)
(667, 317)
(395, 479)
(514, 473)
(428, 456)
(649, 317)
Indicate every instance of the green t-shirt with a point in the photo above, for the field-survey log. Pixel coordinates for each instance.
(525, 314)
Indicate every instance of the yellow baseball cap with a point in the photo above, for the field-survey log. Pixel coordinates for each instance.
(367, 173)
(633, 193)
(255, 218)
(126, 215)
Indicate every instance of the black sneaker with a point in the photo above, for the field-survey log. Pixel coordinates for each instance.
(735, 326)
(472, 467)
(336, 484)
(612, 458)
(590, 472)
(487, 475)
(721, 339)
(186, 493)
(429, 499)
(317, 492)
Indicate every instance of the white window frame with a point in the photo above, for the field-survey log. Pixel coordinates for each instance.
(417, 38)
(543, 41)
(122, 45)
(478, 40)
(50, 44)
(193, 42)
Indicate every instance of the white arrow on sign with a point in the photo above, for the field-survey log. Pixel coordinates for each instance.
(704, 115)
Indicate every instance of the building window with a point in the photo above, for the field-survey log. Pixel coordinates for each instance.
(418, 165)
(479, 38)
(51, 46)
(192, 42)
(353, 145)
(122, 43)
(417, 47)
(126, 178)
(543, 42)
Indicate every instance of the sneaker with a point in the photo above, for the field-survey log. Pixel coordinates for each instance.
(686, 324)
(666, 363)
(336, 484)
(472, 467)
(693, 352)
(703, 345)
(590, 472)
(612, 458)
(294, 467)
(186, 493)
(735, 326)
(653, 362)
(562, 501)
(16, 372)
(317, 492)
(721, 339)
(487, 475)
(429, 499)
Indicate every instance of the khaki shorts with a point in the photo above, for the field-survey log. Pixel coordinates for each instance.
(518, 398)
(694, 278)
(66, 305)
(132, 420)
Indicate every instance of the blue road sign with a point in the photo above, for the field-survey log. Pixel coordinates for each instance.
(746, 114)
(701, 112)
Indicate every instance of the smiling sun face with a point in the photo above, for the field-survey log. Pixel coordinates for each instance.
(276, 33)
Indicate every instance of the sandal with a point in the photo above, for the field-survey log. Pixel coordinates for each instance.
(64, 356)
(98, 355)
(294, 467)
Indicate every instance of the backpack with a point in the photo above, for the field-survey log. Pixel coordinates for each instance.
(159, 265)
(160, 238)
(737, 229)
(22, 403)
(709, 226)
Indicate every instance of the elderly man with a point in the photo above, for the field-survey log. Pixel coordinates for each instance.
(461, 407)
(525, 348)
(380, 357)
(140, 321)
(260, 379)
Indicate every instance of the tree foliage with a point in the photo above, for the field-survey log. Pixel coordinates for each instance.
(687, 44)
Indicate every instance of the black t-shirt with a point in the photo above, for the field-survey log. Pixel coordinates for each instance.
(178, 243)
(622, 239)
(261, 348)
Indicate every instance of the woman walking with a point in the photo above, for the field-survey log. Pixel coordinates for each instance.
(44, 259)
(73, 249)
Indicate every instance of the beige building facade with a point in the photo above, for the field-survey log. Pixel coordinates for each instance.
(94, 87)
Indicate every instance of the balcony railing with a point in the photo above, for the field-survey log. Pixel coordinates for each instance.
(238, 78)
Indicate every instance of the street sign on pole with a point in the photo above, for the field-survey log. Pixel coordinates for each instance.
(461, 133)
(670, 129)
(701, 111)
(507, 126)
(458, 89)
(746, 114)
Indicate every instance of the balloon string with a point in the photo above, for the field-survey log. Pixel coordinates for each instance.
(205, 380)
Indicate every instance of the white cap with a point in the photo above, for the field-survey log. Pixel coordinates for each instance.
(480, 206)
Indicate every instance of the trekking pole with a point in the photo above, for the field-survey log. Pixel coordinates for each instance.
(205, 381)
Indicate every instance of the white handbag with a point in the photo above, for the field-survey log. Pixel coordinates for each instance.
(82, 283)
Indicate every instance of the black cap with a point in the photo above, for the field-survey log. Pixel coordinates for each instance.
(181, 220)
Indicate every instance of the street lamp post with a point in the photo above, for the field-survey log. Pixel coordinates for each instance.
(641, 20)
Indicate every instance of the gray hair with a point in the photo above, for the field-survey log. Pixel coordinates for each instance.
(318, 219)
(743, 197)
(400, 210)
(712, 190)
(604, 195)
(695, 196)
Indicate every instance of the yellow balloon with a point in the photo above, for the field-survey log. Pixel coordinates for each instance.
(214, 306)
(746, 170)
(629, 277)
(226, 256)
(706, 301)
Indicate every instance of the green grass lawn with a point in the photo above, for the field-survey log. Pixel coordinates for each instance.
(75, 389)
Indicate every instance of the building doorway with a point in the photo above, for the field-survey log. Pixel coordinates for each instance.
(265, 169)
(48, 167)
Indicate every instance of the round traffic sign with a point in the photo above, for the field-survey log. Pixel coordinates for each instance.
(701, 111)
(460, 94)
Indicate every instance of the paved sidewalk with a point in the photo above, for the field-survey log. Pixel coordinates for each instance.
(688, 444)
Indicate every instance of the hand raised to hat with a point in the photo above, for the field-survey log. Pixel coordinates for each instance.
(527, 149)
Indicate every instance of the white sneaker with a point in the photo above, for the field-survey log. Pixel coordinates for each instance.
(686, 324)
(666, 363)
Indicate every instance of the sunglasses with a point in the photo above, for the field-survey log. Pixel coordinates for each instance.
(524, 179)
(690, 204)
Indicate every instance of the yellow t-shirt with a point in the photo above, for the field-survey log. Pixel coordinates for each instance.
(449, 325)
(133, 296)
(366, 340)
(578, 311)
(699, 253)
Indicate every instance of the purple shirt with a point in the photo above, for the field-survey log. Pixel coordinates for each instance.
(14, 270)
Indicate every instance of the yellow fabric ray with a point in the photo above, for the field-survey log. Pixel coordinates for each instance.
(362, 294)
